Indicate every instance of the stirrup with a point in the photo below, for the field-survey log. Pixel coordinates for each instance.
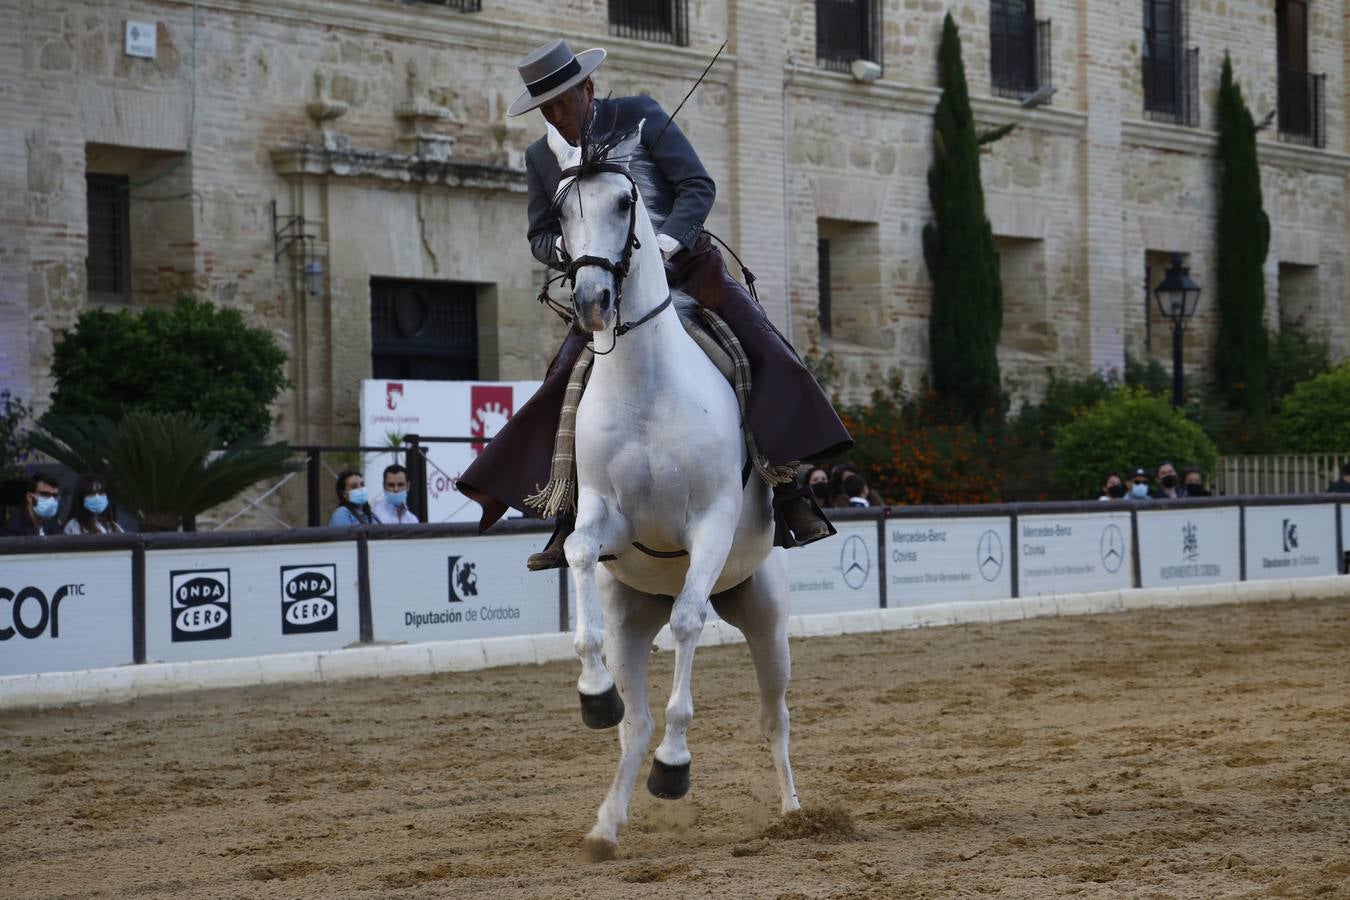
(783, 534)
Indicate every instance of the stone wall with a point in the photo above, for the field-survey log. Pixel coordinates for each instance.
(342, 111)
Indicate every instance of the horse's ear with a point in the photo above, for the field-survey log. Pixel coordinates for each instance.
(623, 151)
(566, 154)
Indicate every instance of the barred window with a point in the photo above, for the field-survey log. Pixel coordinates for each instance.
(1171, 71)
(423, 329)
(108, 265)
(847, 30)
(461, 5)
(661, 21)
(1019, 48)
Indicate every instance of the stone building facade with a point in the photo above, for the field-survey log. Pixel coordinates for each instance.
(381, 123)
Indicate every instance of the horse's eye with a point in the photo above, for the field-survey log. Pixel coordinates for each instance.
(625, 203)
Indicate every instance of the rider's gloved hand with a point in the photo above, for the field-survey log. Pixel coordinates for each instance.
(669, 246)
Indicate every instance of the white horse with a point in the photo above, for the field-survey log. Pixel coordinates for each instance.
(659, 453)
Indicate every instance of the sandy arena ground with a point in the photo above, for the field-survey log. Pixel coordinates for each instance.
(1178, 753)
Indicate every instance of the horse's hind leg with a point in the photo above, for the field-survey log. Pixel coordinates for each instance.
(598, 528)
(632, 620)
(759, 608)
(709, 543)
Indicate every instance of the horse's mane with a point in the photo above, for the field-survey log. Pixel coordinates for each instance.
(599, 141)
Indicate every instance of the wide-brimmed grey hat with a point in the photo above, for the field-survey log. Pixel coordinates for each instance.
(551, 69)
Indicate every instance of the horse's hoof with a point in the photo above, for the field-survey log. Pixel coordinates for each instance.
(602, 710)
(598, 850)
(668, 782)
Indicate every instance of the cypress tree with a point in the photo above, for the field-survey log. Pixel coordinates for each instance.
(958, 246)
(1241, 359)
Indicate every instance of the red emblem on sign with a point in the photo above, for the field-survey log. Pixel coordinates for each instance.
(490, 407)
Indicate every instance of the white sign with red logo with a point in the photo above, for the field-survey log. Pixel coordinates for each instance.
(462, 409)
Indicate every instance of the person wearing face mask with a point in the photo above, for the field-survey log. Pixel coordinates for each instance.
(1194, 483)
(39, 512)
(1169, 485)
(1139, 485)
(1113, 488)
(392, 508)
(353, 507)
(89, 509)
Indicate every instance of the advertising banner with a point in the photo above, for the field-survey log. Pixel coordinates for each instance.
(838, 574)
(1073, 553)
(222, 602)
(61, 612)
(1179, 547)
(1290, 541)
(390, 409)
(448, 589)
(1345, 539)
(943, 560)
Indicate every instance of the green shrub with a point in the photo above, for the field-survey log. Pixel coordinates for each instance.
(13, 435)
(1128, 428)
(1315, 418)
(194, 358)
(1295, 357)
(1029, 471)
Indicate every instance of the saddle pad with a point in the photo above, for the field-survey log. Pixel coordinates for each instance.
(687, 307)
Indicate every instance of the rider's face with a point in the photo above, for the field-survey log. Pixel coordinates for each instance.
(567, 112)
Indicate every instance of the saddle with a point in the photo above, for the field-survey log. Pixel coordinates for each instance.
(697, 327)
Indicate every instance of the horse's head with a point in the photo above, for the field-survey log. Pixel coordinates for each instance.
(600, 213)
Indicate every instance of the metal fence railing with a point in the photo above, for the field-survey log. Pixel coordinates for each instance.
(1302, 107)
(660, 21)
(1308, 473)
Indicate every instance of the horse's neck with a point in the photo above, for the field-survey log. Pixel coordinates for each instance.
(649, 350)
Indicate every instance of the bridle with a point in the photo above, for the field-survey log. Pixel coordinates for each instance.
(619, 269)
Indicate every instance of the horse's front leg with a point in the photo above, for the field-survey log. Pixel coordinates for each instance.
(709, 542)
(598, 528)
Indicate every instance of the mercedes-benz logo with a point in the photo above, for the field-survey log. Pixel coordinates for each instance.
(855, 562)
(1112, 548)
(989, 555)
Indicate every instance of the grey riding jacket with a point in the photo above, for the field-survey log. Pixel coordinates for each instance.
(676, 189)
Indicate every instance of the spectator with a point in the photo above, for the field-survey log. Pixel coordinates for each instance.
(39, 512)
(1194, 482)
(352, 508)
(1341, 485)
(1113, 488)
(1139, 484)
(392, 508)
(1169, 485)
(89, 513)
(856, 490)
(818, 480)
(839, 497)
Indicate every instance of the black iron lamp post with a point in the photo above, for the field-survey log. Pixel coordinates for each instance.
(1177, 297)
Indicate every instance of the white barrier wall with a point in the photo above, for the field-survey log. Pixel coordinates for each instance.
(220, 602)
(839, 574)
(1180, 547)
(445, 589)
(1290, 541)
(944, 560)
(63, 611)
(1064, 554)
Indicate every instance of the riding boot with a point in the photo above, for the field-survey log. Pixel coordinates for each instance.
(552, 556)
(798, 519)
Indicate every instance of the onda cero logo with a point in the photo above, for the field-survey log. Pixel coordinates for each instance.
(31, 613)
(201, 604)
(308, 599)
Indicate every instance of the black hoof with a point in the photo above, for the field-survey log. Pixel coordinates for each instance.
(602, 710)
(668, 782)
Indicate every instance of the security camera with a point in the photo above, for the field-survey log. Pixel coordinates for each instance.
(865, 70)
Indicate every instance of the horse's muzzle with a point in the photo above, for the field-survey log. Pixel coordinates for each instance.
(594, 304)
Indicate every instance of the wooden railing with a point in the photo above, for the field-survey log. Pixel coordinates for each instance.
(1304, 473)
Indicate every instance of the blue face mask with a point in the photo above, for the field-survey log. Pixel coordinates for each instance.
(96, 503)
(357, 496)
(396, 498)
(1139, 491)
(45, 507)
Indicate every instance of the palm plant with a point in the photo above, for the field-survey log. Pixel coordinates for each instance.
(161, 467)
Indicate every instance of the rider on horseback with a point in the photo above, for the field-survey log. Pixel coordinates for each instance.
(789, 415)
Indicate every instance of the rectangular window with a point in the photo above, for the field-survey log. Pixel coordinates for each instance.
(661, 21)
(461, 5)
(823, 284)
(847, 30)
(424, 330)
(1302, 95)
(1012, 46)
(1171, 71)
(108, 265)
